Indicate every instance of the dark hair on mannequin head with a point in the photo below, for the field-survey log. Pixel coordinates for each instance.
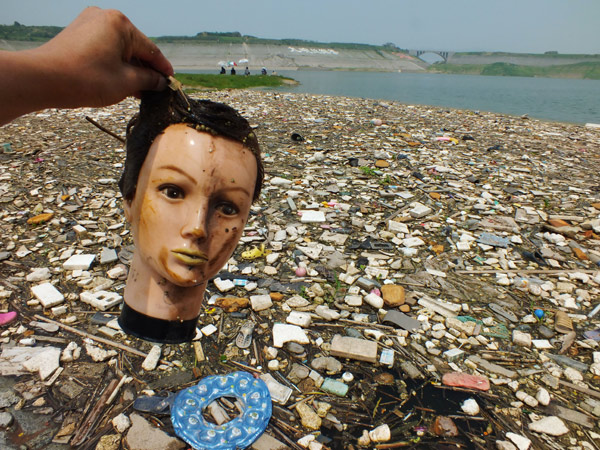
(159, 110)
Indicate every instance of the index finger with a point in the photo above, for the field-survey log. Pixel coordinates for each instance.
(147, 51)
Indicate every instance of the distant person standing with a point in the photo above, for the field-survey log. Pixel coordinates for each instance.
(247, 71)
(263, 71)
(223, 71)
(232, 70)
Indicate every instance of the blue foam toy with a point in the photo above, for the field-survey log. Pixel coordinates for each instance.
(239, 433)
(539, 313)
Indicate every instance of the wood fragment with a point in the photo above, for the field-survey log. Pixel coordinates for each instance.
(584, 390)
(99, 339)
(56, 340)
(88, 423)
(106, 130)
(525, 271)
(244, 366)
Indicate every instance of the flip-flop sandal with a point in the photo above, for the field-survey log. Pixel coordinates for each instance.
(6, 318)
(562, 322)
(154, 404)
(244, 337)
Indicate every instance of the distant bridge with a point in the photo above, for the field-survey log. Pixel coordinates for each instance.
(443, 54)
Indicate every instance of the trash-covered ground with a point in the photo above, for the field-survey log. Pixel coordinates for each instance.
(411, 277)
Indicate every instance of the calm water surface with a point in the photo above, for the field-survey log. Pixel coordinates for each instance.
(563, 100)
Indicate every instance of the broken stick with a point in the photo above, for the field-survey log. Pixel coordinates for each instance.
(102, 340)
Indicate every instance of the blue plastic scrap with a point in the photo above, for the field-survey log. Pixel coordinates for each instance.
(239, 433)
(336, 387)
(493, 240)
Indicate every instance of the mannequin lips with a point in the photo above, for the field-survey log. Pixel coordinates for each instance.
(189, 257)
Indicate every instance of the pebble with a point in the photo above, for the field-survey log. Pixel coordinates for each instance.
(309, 418)
(327, 364)
(143, 436)
(551, 425)
(79, 262)
(382, 433)
(505, 445)
(283, 333)
(98, 354)
(45, 362)
(47, 295)
(521, 338)
(109, 442)
(543, 396)
(39, 274)
(152, 358)
(527, 399)
(121, 423)
(470, 407)
(6, 419)
(520, 441)
(302, 319)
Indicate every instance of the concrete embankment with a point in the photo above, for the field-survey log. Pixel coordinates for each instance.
(284, 57)
(192, 56)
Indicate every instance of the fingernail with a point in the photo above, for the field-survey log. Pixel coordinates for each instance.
(162, 84)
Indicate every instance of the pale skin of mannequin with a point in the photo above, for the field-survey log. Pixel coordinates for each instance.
(98, 60)
(188, 213)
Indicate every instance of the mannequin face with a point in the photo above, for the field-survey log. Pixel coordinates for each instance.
(193, 197)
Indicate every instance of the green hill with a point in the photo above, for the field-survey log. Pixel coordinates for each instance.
(18, 32)
(586, 70)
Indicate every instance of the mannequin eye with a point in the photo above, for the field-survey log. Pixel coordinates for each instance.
(229, 209)
(172, 192)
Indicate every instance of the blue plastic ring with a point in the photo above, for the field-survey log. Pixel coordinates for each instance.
(239, 433)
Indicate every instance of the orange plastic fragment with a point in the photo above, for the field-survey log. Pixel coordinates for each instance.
(437, 249)
(580, 254)
(40, 218)
(558, 223)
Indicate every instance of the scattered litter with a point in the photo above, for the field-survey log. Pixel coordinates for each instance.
(410, 276)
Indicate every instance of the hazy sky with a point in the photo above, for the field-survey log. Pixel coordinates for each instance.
(568, 26)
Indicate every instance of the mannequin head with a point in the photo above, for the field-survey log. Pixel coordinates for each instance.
(190, 177)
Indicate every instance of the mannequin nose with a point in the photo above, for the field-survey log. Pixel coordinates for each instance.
(195, 226)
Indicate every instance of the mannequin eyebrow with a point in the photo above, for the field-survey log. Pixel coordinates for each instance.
(234, 189)
(178, 170)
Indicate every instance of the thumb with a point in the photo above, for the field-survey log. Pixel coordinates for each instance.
(145, 79)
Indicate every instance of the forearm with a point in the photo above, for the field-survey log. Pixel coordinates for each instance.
(98, 60)
(27, 84)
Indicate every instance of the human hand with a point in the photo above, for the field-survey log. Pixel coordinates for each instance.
(101, 58)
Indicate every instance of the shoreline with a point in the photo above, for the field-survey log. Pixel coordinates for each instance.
(471, 175)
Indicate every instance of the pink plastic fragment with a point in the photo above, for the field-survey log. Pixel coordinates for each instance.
(466, 380)
(6, 318)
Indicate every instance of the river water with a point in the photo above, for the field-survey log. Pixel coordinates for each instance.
(563, 100)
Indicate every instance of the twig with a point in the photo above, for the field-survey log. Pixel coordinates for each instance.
(526, 271)
(99, 339)
(87, 425)
(281, 435)
(587, 391)
(244, 366)
(107, 131)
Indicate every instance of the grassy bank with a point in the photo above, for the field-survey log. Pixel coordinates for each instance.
(216, 81)
(549, 55)
(585, 70)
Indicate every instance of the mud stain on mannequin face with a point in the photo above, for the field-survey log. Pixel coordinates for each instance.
(162, 257)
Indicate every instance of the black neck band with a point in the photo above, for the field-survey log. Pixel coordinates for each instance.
(156, 330)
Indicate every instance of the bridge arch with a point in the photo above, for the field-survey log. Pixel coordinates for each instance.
(445, 55)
